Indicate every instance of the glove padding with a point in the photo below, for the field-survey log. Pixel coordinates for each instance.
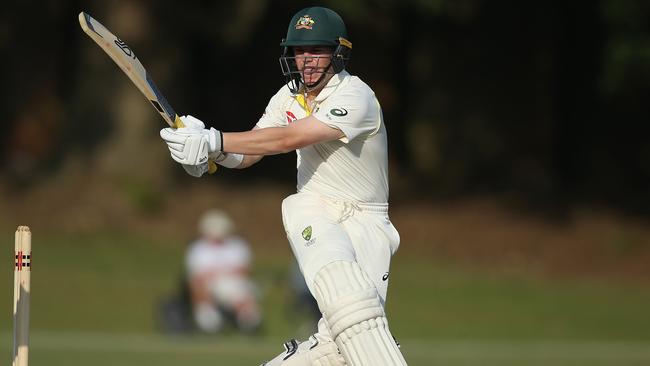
(196, 170)
(192, 122)
(192, 144)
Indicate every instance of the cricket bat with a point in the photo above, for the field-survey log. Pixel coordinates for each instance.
(124, 57)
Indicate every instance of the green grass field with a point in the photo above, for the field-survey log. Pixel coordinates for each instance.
(68, 348)
(94, 298)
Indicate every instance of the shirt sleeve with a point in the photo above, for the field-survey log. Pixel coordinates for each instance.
(273, 113)
(354, 110)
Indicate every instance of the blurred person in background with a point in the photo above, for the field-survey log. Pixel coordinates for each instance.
(337, 223)
(218, 265)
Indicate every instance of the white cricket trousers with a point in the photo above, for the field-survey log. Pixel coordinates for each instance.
(322, 230)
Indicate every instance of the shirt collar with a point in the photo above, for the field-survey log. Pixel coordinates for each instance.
(331, 86)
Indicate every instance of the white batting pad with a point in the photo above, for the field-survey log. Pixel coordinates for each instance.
(356, 319)
(314, 352)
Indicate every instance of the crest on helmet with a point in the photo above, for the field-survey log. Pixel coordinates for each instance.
(305, 22)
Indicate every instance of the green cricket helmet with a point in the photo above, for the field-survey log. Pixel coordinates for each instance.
(314, 26)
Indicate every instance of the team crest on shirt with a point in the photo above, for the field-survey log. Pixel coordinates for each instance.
(305, 22)
(290, 117)
(306, 234)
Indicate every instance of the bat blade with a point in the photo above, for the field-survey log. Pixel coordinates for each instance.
(126, 59)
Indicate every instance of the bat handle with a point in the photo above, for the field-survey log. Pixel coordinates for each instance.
(212, 166)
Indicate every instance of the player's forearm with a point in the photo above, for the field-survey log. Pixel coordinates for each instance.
(263, 141)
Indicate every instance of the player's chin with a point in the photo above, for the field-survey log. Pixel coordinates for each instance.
(312, 78)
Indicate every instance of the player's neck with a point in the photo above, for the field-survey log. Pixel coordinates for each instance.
(310, 95)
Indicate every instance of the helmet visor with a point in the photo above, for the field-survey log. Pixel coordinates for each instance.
(306, 71)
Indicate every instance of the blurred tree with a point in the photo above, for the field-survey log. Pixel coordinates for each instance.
(540, 101)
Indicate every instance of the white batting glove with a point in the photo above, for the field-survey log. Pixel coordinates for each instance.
(196, 170)
(192, 122)
(228, 160)
(192, 145)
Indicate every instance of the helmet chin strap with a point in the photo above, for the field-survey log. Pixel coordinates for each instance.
(320, 83)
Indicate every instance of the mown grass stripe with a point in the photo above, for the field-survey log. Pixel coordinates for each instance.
(420, 348)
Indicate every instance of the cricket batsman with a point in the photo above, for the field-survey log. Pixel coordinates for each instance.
(337, 223)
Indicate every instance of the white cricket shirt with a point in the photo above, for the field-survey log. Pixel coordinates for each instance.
(229, 256)
(353, 168)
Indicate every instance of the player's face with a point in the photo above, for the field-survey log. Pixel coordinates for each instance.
(312, 61)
